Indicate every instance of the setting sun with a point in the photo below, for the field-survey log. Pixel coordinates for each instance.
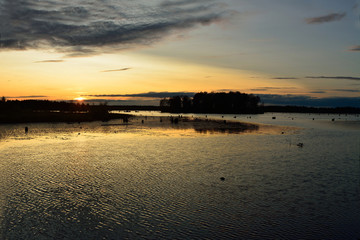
(79, 99)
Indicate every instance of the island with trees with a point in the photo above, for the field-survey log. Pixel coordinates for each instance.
(238, 103)
(219, 102)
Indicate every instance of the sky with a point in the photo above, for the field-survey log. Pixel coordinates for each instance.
(136, 52)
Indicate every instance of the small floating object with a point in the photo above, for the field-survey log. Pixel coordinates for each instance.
(234, 116)
(333, 119)
(222, 179)
(142, 121)
(300, 145)
(282, 132)
(273, 117)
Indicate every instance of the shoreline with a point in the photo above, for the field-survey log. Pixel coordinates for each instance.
(60, 117)
(159, 126)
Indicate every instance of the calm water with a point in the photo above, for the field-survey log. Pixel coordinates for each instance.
(87, 181)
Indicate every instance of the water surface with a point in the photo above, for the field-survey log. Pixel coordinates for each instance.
(98, 181)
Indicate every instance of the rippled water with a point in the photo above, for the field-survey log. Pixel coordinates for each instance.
(88, 181)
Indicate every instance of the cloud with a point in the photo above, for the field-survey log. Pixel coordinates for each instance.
(297, 100)
(354, 48)
(320, 91)
(145, 95)
(137, 102)
(32, 96)
(348, 90)
(90, 27)
(116, 70)
(336, 77)
(272, 88)
(326, 18)
(50, 61)
(284, 78)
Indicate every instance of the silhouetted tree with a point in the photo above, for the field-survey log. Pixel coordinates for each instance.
(203, 102)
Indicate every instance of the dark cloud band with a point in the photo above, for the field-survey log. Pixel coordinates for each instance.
(84, 27)
(50, 61)
(117, 70)
(297, 100)
(336, 77)
(145, 95)
(355, 48)
(327, 18)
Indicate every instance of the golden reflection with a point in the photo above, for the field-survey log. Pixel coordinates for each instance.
(190, 126)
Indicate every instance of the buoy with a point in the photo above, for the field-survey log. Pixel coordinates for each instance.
(222, 179)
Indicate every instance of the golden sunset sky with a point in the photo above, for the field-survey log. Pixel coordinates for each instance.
(139, 51)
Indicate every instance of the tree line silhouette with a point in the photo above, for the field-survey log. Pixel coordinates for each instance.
(14, 111)
(219, 102)
(53, 111)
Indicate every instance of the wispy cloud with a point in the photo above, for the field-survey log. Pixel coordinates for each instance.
(49, 61)
(319, 91)
(326, 18)
(83, 27)
(348, 90)
(31, 96)
(284, 78)
(354, 48)
(145, 95)
(335, 77)
(116, 70)
(272, 88)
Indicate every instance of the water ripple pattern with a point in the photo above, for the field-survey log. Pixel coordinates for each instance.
(119, 184)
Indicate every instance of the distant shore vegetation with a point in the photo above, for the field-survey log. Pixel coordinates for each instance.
(219, 102)
(238, 103)
(15, 111)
